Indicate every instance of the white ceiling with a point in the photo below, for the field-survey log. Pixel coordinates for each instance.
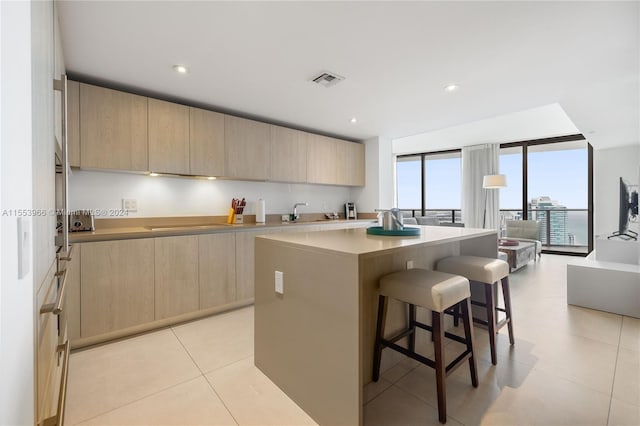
(536, 123)
(256, 59)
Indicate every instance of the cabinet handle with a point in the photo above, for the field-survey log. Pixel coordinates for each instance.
(58, 419)
(67, 256)
(56, 307)
(61, 86)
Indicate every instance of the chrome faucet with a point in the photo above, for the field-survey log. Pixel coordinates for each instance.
(295, 216)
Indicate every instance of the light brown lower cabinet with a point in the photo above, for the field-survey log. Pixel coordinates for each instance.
(245, 249)
(217, 267)
(152, 282)
(117, 285)
(73, 293)
(176, 276)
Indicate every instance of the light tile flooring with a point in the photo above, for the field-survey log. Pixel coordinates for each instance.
(569, 366)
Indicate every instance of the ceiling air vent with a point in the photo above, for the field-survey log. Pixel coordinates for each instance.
(327, 79)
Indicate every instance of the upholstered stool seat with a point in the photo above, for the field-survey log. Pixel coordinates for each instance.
(436, 291)
(433, 290)
(487, 271)
(482, 269)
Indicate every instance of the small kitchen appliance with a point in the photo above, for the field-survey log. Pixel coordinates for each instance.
(79, 220)
(350, 211)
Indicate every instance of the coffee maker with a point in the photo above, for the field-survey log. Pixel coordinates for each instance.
(350, 211)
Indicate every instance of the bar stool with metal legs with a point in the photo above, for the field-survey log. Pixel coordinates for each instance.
(487, 271)
(435, 291)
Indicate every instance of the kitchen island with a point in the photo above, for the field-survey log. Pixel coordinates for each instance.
(314, 339)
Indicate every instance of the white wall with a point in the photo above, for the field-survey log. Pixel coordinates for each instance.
(608, 166)
(378, 192)
(16, 295)
(173, 196)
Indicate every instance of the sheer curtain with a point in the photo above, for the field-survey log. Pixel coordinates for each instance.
(478, 161)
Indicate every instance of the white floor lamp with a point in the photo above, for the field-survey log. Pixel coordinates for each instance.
(491, 182)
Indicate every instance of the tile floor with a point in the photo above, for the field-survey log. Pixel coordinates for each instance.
(569, 366)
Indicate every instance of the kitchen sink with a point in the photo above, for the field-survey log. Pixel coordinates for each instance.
(183, 227)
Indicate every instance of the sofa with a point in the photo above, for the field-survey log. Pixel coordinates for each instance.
(525, 230)
(434, 221)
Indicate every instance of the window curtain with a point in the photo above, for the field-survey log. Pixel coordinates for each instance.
(478, 161)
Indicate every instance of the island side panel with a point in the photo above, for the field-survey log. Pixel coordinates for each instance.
(372, 269)
(307, 339)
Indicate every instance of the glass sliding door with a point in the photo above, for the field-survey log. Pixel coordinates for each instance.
(558, 194)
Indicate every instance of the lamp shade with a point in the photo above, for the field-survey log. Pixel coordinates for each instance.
(494, 181)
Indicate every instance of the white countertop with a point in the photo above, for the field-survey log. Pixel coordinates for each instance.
(358, 242)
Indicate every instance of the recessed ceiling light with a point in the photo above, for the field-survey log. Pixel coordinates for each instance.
(451, 88)
(180, 69)
(153, 174)
(353, 120)
(211, 178)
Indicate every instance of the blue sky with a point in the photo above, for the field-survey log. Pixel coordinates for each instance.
(561, 175)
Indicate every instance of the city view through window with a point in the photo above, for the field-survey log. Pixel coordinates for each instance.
(557, 188)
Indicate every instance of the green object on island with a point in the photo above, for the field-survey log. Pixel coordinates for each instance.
(406, 232)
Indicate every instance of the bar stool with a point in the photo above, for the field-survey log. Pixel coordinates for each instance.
(435, 291)
(487, 271)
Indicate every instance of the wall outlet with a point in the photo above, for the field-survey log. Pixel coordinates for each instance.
(409, 264)
(130, 204)
(279, 282)
(24, 246)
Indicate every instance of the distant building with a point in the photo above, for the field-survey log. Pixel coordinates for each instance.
(539, 208)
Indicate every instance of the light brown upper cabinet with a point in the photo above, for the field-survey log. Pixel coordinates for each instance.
(322, 161)
(206, 142)
(288, 155)
(113, 129)
(350, 163)
(73, 122)
(246, 144)
(168, 137)
(109, 129)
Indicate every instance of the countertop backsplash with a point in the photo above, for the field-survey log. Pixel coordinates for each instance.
(163, 196)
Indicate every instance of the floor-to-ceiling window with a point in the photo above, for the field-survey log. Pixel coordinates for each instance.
(511, 196)
(549, 180)
(554, 187)
(442, 183)
(429, 184)
(409, 188)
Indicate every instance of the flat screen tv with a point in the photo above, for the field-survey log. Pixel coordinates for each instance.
(628, 208)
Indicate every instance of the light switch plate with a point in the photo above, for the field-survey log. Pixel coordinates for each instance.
(279, 282)
(409, 264)
(24, 246)
(130, 204)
